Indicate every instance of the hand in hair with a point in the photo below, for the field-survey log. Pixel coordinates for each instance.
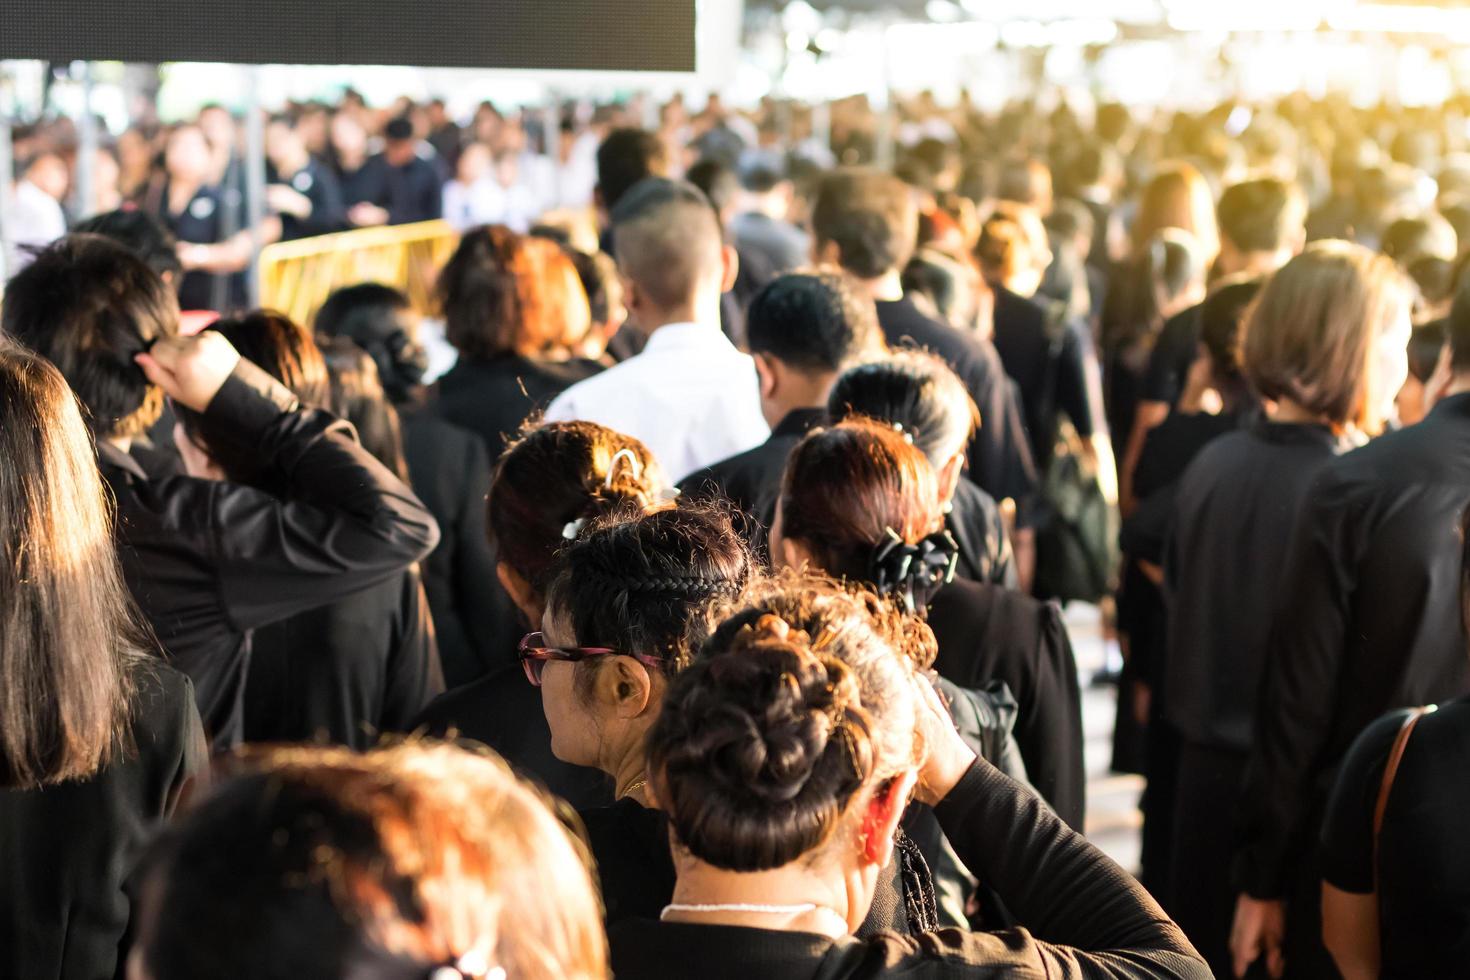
(946, 755)
(190, 370)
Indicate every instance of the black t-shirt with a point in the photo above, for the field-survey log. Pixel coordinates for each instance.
(493, 397)
(412, 192)
(204, 221)
(66, 850)
(1423, 865)
(1175, 350)
(319, 185)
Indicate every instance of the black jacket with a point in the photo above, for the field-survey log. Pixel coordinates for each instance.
(66, 850)
(209, 561)
(1234, 515)
(752, 480)
(1082, 916)
(1370, 621)
(1000, 454)
(450, 472)
(980, 531)
(1026, 351)
(346, 672)
(493, 397)
(986, 634)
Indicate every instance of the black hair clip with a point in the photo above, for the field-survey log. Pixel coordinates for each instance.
(913, 572)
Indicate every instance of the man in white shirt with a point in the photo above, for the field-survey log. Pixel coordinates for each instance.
(690, 395)
(36, 216)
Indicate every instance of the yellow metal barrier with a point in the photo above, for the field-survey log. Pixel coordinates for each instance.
(297, 277)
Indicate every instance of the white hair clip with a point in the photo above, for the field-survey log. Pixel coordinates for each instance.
(907, 436)
(668, 495)
(634, 463)
(573, 528)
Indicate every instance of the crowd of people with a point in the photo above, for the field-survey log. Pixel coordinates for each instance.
(705, 617)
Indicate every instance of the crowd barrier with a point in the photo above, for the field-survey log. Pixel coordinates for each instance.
(297, 277)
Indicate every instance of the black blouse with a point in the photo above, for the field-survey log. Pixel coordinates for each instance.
(1423, 866)
(1082, 916)
(66, 850)
(209, 561)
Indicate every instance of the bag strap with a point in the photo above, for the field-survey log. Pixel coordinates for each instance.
(1400, 742)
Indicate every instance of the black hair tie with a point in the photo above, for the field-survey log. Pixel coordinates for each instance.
(913, 572)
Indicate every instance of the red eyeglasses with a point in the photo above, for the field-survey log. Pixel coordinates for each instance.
(533, 654)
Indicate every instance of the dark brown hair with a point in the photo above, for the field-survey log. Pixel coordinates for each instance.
(636, 582)
(846, 487)
(386, 864)
(357, 395)
(286, 351)
(69, 637)
(872, 218)
(796, 703)
(504, 293)
(555, 475)
(914, 389)
(88, 305)
(1310, 334)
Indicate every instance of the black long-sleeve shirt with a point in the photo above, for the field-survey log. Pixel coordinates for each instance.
(1370, 621)
(1082, 916)
(209, 561)
(412, 192)
(318, 184)
(1000, 454)
(1235, 511)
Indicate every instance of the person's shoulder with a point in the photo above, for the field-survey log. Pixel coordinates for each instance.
(1012, 953)
(165, 717)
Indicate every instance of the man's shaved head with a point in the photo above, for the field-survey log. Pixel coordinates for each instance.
(667, 240)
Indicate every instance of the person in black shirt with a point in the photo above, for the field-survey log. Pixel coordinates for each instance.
(302, 191)
(548, 485)
(802, 330)
(448, 469)
(345, 671)
(99, 737)
(396, 186)
(515, 310)
(1310, 348)
(1369, 622)
(860, 501)
(415, 862)
(785, 770)
(918, 393)
(1048, 356)
(867, 222)
(208, 562)
(761, 224)
(1262, 225)
(193, 209)
(1394, 901)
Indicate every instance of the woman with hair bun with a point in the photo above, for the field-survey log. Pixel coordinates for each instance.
(418, 862)
(859, 501)
(785, 776)
(549, 484)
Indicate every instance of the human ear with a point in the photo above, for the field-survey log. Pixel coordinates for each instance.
(765, 370)
(626, 685)
(949, 477)
(730, 261)
(881, 818)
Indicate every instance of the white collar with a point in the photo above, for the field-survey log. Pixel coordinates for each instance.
(680, 335)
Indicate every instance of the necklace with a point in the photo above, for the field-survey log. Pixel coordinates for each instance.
(801, 909)
(634, 786)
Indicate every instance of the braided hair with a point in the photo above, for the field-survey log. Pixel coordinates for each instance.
(637, 581)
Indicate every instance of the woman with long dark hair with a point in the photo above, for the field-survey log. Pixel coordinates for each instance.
(98, 737)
